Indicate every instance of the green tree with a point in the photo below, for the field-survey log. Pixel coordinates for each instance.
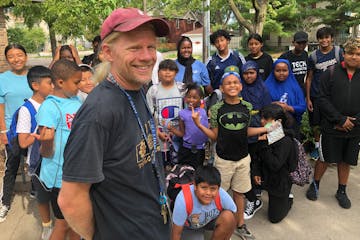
(32, 39)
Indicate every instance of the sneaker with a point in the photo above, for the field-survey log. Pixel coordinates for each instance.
(291, 200)
(3, 212)
(312, 193)
(314, 155)
(343, 200)
(46, 233)
(251, 208)
(243, 232)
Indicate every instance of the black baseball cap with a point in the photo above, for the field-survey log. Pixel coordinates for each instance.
(300, 37)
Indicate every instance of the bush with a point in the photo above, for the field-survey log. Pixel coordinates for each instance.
(32, 39)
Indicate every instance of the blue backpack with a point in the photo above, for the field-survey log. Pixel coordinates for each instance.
(12, 135)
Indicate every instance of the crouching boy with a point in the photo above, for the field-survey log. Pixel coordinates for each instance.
(204, 206)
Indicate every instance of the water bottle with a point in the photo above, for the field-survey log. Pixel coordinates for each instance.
(284, 98)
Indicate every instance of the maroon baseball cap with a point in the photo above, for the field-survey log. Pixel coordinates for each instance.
(127, 19)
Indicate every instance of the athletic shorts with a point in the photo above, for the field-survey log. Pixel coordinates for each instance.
(55, 207)
(314, 116)
(235, 175)
(336, 149)
(198, 234)
(43, 195)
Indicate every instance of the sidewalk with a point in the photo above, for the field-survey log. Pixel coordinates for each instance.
(319, 220)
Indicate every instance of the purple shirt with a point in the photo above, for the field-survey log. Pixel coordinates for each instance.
(193, 135)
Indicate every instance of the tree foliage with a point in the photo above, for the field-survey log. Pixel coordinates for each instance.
(32, 39)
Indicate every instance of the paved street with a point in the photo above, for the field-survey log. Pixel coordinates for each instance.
(320, 220)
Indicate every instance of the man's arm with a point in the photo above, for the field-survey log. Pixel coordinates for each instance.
(75, 204)
(176, 232)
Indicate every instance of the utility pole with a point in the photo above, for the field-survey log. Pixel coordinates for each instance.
(144, 5)
(206, 30)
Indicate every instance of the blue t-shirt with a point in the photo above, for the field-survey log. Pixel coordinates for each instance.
(201, 214)
(323, 62)
(200, 73)
(13, 90)
(193, 135)
(58, 113)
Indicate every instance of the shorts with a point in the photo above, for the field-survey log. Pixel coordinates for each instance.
(43, 195)
(198, 234)
(235, 175)
(55, 207)
(337, 149)
(314, 116)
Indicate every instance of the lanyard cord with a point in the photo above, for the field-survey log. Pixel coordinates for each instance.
(162, 199)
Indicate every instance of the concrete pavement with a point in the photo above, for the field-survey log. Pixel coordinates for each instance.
(320, 220)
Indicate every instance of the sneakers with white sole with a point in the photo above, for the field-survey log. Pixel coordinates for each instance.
(251, 208)
(3, 212)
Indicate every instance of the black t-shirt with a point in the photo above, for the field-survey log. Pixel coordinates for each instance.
(232, 121)
(265, 64)
(106, 148)
(299, 65)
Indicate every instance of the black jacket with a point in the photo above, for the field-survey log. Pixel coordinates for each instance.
(274, 164)
(339, 98)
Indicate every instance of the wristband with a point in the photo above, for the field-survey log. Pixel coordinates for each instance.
(4, 131)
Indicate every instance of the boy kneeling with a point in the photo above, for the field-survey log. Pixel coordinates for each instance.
(204, 206)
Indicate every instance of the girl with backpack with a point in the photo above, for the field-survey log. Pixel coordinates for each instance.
(277, 158)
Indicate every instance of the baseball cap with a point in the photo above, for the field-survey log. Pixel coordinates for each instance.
(127, 19)
(300, 37)
(230, 70)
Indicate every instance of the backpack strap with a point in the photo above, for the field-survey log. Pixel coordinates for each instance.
(218, 202)
(337, 53)
(32, 112)
(313, 56)
(188, 198)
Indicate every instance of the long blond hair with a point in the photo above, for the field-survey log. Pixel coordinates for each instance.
(103, 69)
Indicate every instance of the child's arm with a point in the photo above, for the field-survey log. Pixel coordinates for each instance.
(253, 131)
(47, 141)
(3, 137)
(211, 133)
(25, 140)
(56, 56)
(176, 232)
(178, 132)
(75, 54)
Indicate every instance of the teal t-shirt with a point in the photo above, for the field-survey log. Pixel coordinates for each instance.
(58, 113)
(13, 90)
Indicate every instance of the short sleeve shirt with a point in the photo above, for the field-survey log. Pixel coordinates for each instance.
(232, 121)
(201, 214)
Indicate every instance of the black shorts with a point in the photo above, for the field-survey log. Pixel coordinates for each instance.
(43, 195)
(314, 116)
(336, 149)
(55, 207)
(194, 158)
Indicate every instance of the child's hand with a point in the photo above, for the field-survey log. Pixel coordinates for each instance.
(47, 134)
(257, 180)
(3, 138)
(262, 137)
(195, 116)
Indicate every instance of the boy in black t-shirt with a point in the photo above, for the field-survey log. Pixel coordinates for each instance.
(229, 127)
(298, 58)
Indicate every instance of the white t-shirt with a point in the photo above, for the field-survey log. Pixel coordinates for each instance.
(24, 123)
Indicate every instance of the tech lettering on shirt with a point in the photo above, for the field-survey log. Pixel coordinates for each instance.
(299, 67)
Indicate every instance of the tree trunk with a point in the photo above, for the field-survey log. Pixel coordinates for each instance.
(52, 36)
(240, 18)
(261, 9)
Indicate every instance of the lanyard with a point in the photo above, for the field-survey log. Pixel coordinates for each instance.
(162, 198)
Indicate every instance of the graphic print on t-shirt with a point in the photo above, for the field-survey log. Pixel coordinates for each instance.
(233, 121)
(69, 119)
(143, 154)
